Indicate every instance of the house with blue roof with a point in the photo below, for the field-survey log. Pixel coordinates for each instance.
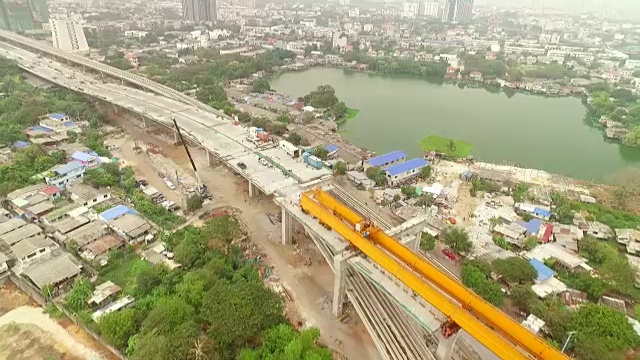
(61, 175)
(544, 272)
(85, 159)
(533, 226)
(20, 144)
(116, 212)
(399, 172)
(387, 159)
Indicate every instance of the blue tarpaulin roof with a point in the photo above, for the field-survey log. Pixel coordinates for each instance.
(408, 165)
(387, 158)
(117, 211)
(21, 144)
(69, 124)
(331, 148)
(532, 225)
(57, 116)
(542, 212)
(544, 272)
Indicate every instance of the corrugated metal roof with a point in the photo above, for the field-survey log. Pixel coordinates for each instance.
(21, 144)
(116, 212)
(408, 165)
(532, 226)
(387, 158)
(40, 128)
(331, 148)
(544, 272)
(81, 156)
(68, 167)
(542, 212)
(53, 270)
(57, 116)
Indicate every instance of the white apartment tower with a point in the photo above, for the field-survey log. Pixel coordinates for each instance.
(68, 35)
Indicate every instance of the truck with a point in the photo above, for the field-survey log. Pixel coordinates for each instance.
(312, 161)
(289, 148)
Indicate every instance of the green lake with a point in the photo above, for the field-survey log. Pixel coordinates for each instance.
(524, 130)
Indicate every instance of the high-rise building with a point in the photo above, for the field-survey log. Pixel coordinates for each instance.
(199, 10)
(68, 35)
(431, 8)
(40, 10)
(4, 16)
(458, 11)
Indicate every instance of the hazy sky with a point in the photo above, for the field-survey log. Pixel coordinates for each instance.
(576, 5)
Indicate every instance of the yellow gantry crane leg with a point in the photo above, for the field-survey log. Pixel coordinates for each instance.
(488, 313)
(461, 317)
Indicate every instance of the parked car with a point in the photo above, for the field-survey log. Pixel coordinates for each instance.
(242, 166)
(452, 220)
(169, 184)
(448, 253)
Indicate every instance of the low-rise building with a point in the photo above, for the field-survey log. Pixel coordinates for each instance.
(387, 159)
(553, 251)
(29, 250)
(100, 248)
(61, 175)
(131, 227)
(400, 172)
(103, 294)
(25, 232)
(116, 212)
(86, 159)
(3, 263)
(52, 271)
(87, 195)
(11, 225)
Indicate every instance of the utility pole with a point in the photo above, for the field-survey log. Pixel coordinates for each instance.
(566, 343)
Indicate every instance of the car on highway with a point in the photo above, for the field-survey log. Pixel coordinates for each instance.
(450, 254)
(242, 166)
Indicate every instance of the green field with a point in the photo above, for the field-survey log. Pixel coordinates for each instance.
(352, 113)
(451, 147)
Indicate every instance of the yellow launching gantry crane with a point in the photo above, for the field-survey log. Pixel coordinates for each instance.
(494, 329)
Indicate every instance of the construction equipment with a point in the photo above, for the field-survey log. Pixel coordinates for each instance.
(453, 311)
(202, 189)
(490, 315)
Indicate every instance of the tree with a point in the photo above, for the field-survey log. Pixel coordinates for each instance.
(377, 175)
(515, 270)
(530, 243)
(238, 312)
(117, 327)
(167, 314)
(320, 152)
(285, 119)
(73, 136)
(425, 172)
(523, 297)
(77, 298)
(194, 202)
(260, 86)
(476, 278)
(150, 278)
(294, 138)
(340, 168)
(283, 342)
(427, 242)
(457, 239)
(606, 326)
(323, 97)
(409, 191)
(339, 110)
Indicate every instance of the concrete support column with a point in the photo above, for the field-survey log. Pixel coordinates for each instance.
(210, 158)
(144, 122)
(339, 291)
(115, 109)
(446, 346)
(252, 190)
(287, 227)
(176, 138)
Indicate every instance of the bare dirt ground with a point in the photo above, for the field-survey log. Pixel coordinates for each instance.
(310, 286)
(26, 332)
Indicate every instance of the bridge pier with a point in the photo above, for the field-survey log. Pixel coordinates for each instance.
(144, 122)
(339, 288)
(412, 241)
(287, 226)
(176, 138)
(253, 190)
(446, 346)
(210, 158)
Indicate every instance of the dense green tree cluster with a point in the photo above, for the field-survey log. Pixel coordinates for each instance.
(476, 275)
(515, 270)
(395, 66)
(489, 68)
(27, 163)
(216, 305)
(323, 97)
(457, 239)
(377, 175)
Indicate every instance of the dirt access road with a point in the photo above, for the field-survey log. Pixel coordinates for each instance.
(311, 287)
(26, 332)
